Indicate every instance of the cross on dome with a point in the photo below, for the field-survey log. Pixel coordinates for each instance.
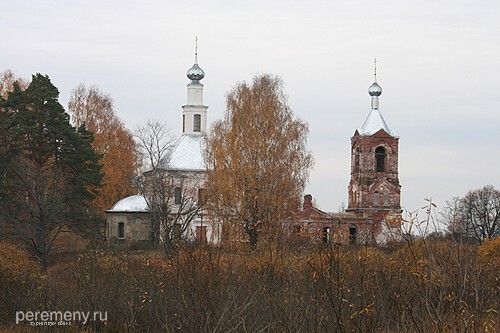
(375, 89)
(195, 73)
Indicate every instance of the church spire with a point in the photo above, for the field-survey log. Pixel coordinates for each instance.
(374, 121)
(194, 113)
(195, 73)
(375, 89)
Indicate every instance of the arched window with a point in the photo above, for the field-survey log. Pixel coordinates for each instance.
(183, 123)
(177, 195)
(376, 199)
(197, 123)
(380, 159)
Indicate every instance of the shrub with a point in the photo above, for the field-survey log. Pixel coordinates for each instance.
(436, 285)
(18, 280)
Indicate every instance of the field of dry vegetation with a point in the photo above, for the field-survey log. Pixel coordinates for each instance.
(418, 286)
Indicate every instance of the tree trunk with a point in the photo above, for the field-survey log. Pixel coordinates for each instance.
(252, 235)
(43, 262)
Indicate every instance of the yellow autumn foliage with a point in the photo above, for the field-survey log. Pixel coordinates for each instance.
(15, 264)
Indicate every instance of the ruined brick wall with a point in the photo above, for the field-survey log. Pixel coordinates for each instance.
(374, 189)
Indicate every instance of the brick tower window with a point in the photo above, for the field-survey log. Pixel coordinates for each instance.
(352, 235)
(380, 159)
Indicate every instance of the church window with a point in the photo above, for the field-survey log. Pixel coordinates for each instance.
(386, 199)
(197, 123)
(202, 196)
(380, 159)
(121, 230)
(356, 158)
(177, 195)
(376, 199)
(183, 123)
(352, 235)
(201, 234)
(326, 235)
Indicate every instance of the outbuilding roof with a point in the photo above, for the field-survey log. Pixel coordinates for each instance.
(131, 204)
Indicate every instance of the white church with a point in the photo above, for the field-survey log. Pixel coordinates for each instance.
(183, 169)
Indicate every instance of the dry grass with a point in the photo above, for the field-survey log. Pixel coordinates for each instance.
(438, 286)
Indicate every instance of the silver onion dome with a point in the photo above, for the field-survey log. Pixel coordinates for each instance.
(195, 73)
(375, 89)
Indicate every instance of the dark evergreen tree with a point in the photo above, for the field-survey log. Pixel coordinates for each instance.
(50, 172)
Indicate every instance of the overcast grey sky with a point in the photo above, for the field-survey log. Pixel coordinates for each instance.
(438, 65)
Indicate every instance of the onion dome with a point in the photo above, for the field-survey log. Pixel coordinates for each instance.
(375, 89)
(374, 122)
(195, 73)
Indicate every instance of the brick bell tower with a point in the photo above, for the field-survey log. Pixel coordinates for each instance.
(374, 189)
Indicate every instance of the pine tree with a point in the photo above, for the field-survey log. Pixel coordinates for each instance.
(51, 173)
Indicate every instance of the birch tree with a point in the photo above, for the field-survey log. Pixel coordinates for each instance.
(257, 158)
(7, 80)
(94, 109)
